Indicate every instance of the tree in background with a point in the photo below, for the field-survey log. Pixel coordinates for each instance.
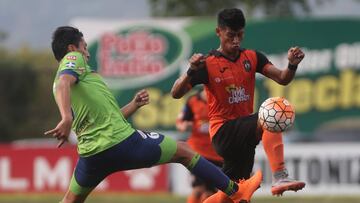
(278, 8)
(269, 8)
(188, 7)
(26, 78)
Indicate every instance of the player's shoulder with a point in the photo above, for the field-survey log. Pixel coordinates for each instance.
(212, 57)
(248, 51)
(73, 59)
(214, 53)
(252, 53)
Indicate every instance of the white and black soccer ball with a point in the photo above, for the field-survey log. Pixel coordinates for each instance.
(276, 114)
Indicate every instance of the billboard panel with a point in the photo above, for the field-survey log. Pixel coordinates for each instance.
(151, 54)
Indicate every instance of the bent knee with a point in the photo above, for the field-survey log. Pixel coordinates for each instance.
(183, 154)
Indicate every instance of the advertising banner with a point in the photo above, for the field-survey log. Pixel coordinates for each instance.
(45, 169)
(327, 169)
(151, 54)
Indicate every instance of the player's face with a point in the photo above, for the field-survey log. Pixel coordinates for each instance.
(230, 39)
(83, 49)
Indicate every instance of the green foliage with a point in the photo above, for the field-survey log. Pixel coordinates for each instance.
(277, 8)
(3, 36)
(26, 105)
(189, 7)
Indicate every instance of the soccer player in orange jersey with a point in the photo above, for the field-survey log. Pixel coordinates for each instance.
(194, 117)
(228, 74)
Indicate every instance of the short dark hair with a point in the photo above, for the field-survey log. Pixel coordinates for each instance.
(62, 37)
(232, 18)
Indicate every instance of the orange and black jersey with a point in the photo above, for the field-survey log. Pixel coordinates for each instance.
(196, 111)
(229, 84)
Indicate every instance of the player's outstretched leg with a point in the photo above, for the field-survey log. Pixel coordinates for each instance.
(274, 148)
(202, 168)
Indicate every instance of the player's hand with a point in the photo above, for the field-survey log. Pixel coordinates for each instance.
(141, 98)
(61, 132)
(197, 61)
(295, 55)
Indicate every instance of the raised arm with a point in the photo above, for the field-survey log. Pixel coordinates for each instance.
(62, 95)
(183, 84)
(140, 99)
(285, 76)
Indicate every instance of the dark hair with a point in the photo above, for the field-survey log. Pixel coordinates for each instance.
(62, 37)
(232, 18)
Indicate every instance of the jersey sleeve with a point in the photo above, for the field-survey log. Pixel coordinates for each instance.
(262, 61)
(73, 64)
(200, 77)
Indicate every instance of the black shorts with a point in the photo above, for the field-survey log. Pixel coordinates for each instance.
(235, 141)
(196, 181)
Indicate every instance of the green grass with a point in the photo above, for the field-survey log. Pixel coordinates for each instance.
(165, 198)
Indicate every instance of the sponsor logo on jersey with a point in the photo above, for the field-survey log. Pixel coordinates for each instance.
(71, 57)
(237, 94)
(82, 126)
(247, 65)
(217, 80)
(70, 64)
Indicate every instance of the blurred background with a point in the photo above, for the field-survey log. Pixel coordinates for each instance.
(146, 44)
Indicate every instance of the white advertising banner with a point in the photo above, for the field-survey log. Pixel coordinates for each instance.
(327, 169)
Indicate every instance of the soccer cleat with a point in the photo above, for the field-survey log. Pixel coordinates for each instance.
(284, 183)
(247, 188)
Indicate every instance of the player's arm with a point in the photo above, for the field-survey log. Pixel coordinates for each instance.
(184, 121)
(192, 77)
(285, 76)
(140, 99)
(181, 86)
(62, 95)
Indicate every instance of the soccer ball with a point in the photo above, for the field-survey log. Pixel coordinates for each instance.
(276, 114)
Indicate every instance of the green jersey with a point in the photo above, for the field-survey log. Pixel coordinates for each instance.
(98, 122)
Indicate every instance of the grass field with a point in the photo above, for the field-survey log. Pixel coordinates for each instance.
(163, 198)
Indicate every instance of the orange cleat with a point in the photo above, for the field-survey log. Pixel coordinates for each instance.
(247, 188)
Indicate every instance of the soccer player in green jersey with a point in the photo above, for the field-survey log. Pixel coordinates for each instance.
(107, 143)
